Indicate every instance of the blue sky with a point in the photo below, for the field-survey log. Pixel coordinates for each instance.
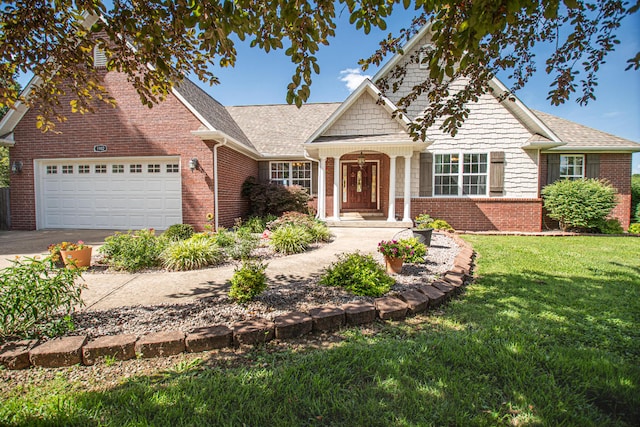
(260, 78)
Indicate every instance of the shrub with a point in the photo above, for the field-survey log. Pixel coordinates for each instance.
(359, 274)
(611, 226)
(248, 281)
(177, 232)
(133, 251)
(635, 195)
(441, 224)
(320, 232)
(245, 243)
(291, 218)
(582, 203)
(192, 254)
(224, 238)
(418, 250)
(291, 239)
(638, 212)
(255, 224)
(37, 298)
(272, 198)
(634, 228)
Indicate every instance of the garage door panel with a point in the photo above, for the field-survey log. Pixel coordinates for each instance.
(109, 199)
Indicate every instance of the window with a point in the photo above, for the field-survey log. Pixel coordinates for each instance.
(135, 168)
(456, 174)
(153, 168)
(84, 169)
(67, 169)
(100, 169)
(173, 168)
(117, 168)
(571, 167)
(292, 173)
(52, 170)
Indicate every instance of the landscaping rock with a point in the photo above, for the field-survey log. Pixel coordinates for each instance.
(454, 279)
(255, 331)
(293, 325)
(444, 287)
(165, 343)
(464, 271)
(120, 347)
(391, 308)
(416, 302)
(15, 355)
(358, 313)
(327, 318)
(58, 352)
(208, 338)
(436, 296)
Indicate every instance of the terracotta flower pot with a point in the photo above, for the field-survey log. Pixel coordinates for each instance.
(76, 259)
(393, 264)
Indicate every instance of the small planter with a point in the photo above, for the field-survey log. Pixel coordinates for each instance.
(77, 259)
(393, 264)
(423, 235)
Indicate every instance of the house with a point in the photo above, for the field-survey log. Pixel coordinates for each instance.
(132, 167)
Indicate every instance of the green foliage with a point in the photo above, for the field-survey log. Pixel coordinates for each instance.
(37, 298)
(274, 199)
(441, 224)
(579, 204)
(255, 224)
(248, 281)
(611, 226)
(320, 232)
(418, 250)
(133, 250)
(192, 254)
(291, 218)
(244, 244)
(395, 248)
(177, 232)
(635, 196)
(291, 239)
(359, 274)
(4, 167)
(224, 238)
(634, 228)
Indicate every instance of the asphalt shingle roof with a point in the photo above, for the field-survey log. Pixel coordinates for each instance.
(281, 129)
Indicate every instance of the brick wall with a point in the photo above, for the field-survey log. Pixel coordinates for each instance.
(233, 169)
(130, 129)
(481, 214)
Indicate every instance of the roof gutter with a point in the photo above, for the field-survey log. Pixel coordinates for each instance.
(592, 149)
(219, 136)
(7, 142)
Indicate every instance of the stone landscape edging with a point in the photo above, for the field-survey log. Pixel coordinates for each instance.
(74, 350)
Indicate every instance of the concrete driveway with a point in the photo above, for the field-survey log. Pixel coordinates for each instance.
(111, 289)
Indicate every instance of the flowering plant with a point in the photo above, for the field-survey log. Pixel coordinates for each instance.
(55, 248)
(395, 248)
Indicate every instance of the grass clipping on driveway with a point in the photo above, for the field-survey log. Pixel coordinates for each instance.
(548, 335)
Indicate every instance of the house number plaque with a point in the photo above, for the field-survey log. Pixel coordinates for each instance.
(99, 148)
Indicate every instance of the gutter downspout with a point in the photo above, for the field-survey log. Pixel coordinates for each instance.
(215, 180)
(308, 157)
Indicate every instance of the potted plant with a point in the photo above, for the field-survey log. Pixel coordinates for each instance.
(72, 255)
(394, 252)
(423, 228)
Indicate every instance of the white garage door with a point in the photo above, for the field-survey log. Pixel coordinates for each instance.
(118, 193)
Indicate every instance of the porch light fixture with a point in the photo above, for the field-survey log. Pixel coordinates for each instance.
(193, 164)
(16, 167)
(361, 160)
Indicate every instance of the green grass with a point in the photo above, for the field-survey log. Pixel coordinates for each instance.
(548, 335)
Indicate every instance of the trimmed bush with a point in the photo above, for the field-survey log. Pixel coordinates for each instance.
(248, 281)
(635, 195)
(177, 232)
(133, 251)
(441, 224)
(359, 274)
(579, 204)
(274, 199)
(418, 250)
(611, 226)
(192, 254)
(291, 239)
(638, 212)
(37, 298)
(634, 228)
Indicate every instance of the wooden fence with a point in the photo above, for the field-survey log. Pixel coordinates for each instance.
(5, 211)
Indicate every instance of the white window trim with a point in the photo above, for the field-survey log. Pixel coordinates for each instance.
(290, 179)
(461, 175)
(584, 168)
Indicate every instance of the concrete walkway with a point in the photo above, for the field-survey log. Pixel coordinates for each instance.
(109, 290)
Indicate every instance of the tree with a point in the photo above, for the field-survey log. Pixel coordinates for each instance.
(4, 151)
(156, 42)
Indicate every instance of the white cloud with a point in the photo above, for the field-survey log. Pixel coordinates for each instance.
(612, 114)
(352, 77)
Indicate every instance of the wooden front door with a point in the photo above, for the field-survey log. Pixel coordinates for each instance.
(359, 186)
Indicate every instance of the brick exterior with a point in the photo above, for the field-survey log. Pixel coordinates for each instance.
(130, 129)
(233, 169)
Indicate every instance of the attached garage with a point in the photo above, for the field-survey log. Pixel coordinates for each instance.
(108, 193)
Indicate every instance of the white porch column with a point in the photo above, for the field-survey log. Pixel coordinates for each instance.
(336, 188)
(392, 189)
(322, 188)
(407, 188)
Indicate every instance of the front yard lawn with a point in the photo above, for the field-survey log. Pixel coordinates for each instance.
(548, 335)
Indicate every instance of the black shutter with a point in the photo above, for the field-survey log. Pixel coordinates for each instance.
(426, 174)
(496, 172)
(553, 168)
(593, 166)
(263, 172)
